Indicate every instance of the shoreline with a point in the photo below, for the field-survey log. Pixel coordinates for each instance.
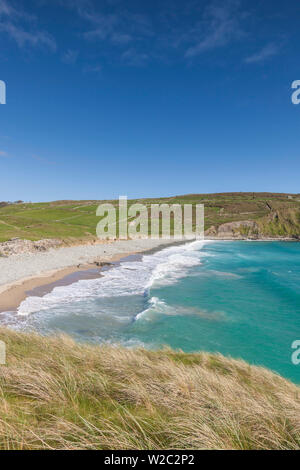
(12, 294)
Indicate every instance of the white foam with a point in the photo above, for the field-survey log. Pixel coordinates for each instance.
(157, 306)
(164, 267)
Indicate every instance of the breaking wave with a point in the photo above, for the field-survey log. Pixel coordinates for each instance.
(130, 278)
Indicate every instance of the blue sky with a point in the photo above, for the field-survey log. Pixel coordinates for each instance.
(148, 98)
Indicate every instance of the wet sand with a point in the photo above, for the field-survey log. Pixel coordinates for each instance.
(12, 295)
(17, 273)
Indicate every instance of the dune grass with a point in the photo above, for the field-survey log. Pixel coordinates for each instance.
(58, 394)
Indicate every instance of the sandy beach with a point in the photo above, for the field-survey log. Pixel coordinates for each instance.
(20, 274)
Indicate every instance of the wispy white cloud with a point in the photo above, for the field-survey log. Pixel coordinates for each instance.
(10, 23)
(96, 69)
(188, 30)
(116, 25)
(102, 25)
(24, 38)
(220, 24)
(5, 8)
(135, 58)
(70, 56)
(268, 51)
(118, 28)
(121, 38)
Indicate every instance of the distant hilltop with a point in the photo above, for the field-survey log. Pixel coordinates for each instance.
(227, 216)
(7, 203)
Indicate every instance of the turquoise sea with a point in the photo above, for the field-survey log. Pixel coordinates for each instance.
(240, 298)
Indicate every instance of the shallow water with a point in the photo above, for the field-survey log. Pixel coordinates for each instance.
(238, 298)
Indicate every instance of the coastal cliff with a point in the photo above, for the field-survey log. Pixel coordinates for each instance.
(276, 225)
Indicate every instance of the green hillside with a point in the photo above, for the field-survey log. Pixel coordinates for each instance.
(275, 215)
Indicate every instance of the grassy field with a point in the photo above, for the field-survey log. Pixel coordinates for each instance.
(56, 394)
(276, 215)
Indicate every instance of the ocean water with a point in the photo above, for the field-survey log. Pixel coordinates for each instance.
(241, 299)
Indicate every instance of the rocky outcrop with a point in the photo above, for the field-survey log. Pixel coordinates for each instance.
(237, 230)
(17, 246)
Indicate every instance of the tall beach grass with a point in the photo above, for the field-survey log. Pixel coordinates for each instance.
(58, 394)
